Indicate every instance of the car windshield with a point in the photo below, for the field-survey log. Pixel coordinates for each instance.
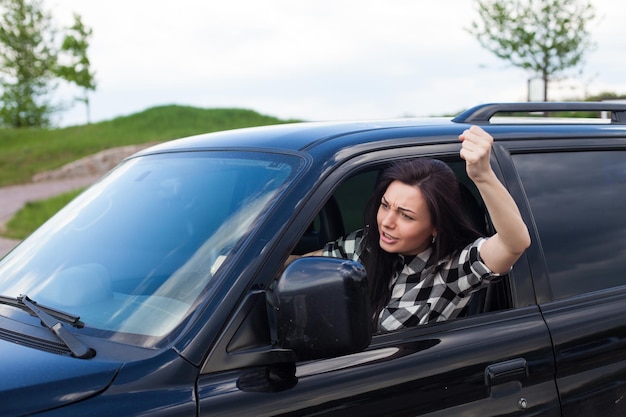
(133, 252)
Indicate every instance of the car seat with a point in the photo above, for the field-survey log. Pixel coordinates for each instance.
(327, 226)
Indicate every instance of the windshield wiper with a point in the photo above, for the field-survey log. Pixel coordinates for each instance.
(50, 318)
(58, 314)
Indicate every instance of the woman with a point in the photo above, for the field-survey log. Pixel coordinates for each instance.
(423, 258)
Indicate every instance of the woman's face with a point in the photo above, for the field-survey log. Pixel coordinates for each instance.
(403, 220)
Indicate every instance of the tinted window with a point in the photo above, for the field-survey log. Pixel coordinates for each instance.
(578, 201)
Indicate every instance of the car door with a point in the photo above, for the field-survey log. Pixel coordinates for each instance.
(496, 363)
(577, 193)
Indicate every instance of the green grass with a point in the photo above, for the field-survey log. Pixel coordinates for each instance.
(34, 214)
(25, 152)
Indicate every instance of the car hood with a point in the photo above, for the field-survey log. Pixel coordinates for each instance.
(33, 380)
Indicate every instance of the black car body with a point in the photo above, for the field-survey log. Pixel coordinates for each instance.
(164, 292)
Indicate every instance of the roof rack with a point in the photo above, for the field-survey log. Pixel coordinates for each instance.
(483, 113)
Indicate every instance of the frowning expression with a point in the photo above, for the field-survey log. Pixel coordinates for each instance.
(404, 222)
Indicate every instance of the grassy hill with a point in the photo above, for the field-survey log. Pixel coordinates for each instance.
(24, 152)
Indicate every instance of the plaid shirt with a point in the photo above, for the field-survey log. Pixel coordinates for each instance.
(421, 294)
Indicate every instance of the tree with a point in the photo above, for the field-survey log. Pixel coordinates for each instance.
(545, 37)
(30, 56)
(27, 62)
(78, 70)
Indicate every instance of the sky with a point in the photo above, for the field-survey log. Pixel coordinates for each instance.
(311, 59)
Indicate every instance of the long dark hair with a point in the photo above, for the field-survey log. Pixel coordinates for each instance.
(441, 190)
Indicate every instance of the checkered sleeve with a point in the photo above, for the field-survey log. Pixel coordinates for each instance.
(473, 272)
(346, 247)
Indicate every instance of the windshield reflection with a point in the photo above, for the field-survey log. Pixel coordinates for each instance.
(133, 252)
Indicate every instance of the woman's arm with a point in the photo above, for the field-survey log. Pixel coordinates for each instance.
(292, 258)
(501, 250)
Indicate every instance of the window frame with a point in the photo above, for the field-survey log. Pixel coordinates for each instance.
(519, 295)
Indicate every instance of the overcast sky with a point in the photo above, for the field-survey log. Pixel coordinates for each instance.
(311, 59)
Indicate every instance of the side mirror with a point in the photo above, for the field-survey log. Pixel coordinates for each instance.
(320, 308)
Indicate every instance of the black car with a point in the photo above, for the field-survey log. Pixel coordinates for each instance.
(161, 290)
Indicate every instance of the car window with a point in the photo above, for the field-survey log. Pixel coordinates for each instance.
(344, 213)
(578, 200)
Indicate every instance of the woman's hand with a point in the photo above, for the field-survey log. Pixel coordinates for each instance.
(476, 150)
(501, 250)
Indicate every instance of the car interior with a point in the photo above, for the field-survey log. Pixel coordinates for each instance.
(343, 213)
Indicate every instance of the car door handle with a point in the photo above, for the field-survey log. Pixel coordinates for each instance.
(501, 372)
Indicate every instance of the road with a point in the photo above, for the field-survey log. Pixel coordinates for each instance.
(14, 197)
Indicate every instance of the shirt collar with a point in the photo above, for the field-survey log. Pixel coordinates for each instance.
(416, 263)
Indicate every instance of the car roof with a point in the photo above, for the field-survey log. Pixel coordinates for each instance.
(291, 136)
(304, 136)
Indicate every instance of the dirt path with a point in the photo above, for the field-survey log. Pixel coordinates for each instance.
(48, 184)
(13, 198)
